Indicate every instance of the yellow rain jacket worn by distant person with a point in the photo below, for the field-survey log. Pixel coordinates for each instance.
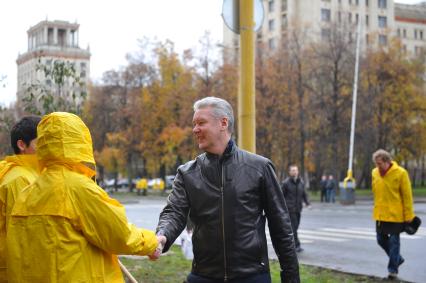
(63, 227)
(393, 200)
(16, 172)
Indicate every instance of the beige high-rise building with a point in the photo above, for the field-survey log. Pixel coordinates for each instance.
(411, 26)
(315, 18)
(49, 41)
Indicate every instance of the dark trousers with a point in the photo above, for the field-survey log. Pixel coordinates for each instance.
(323, 195)
(391, 245)
(257, 278)
(295, 221)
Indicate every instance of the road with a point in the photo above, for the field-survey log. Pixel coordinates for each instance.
(333, 236)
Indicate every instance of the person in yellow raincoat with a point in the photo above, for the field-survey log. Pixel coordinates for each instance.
(63, 227)
(16, 172)
(393, 206)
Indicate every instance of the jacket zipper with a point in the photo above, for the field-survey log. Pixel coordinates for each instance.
(223, 227)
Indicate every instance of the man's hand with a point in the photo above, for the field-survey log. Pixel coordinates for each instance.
(161, 242)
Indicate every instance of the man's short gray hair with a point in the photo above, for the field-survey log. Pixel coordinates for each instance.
(221, 108)
(383, 155)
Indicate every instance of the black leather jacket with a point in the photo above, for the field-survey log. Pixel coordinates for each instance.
(228, 199)
(294, 194)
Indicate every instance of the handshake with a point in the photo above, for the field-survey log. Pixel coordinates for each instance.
(161, 242)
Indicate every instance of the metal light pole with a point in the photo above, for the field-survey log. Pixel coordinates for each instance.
(350, 177)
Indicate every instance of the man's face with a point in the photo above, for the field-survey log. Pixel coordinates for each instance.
(27, 149)
(207, 129)
(382, 165)
(294, 171)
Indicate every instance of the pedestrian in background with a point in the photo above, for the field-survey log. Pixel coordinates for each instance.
(229, 194)
(323, 188)
(393, 206)
(295, 195)
(331, 189)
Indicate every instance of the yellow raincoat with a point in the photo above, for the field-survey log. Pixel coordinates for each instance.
(393, 200)
(64, 228)
(16, 172)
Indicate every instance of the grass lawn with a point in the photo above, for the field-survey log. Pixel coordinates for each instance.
(173, 267)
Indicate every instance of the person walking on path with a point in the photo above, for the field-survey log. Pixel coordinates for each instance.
(295, 195)
(16, 172)
(323, 188)
(331, 189)
(63, 227)
(393, 206)
(229, 194)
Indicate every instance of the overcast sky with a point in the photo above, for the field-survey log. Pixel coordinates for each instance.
(111, 28)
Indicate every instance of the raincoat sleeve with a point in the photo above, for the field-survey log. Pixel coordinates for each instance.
(103, 222)
(407, 197)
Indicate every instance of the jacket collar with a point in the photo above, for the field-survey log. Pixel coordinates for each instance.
(229, 151)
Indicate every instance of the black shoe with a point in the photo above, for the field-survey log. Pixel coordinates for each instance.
(401, 261)
(392, 276)
(299, 250)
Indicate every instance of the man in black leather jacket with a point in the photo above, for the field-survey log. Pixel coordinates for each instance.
(229, 194)
(295, 194)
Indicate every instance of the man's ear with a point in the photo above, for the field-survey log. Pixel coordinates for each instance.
(21, 145)
(224, 123)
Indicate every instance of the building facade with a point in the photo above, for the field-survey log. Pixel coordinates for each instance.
(379, 19)
(51, 41)
(410, 23)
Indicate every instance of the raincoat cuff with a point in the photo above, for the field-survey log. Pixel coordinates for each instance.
(150, 242)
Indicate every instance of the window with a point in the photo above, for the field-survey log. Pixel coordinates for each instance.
(325, 33)
(404, 33)
(350, 2)
(382, 4)
(271, 25)
(82, 74)
(404, 48)
(325, 15)
(271, 43)
(367, 39)
(83, 65)
(357, 2)
(284, 21)
(417, 50)
(271, 5)
(339, 17)
(383, 39)
(382, 22)
(350, 18)
(415, 34)
(356, 18)
(366, 3)
(367, 20)
(283, 5)
(398, 32)
(421, 35)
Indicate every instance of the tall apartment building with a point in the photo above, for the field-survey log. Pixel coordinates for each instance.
(411, 26)
(380, 19)
(49, 41)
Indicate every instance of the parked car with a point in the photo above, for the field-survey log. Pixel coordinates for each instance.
(169, 181)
